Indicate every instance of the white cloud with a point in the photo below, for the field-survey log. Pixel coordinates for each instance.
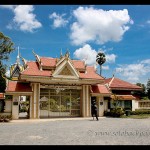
(89, 54)
(105, 67)
(146, 61)
(86, 53)
(58, 20)
(8, 6)
(111, 58)
(148, 21)
(99, 25)
(133, 72)
(24, 19)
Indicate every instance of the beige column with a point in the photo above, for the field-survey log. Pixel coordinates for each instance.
(31, 107)
(101, 106)
(35, 100)
(87, 94)
(15, 107)
(85, 101)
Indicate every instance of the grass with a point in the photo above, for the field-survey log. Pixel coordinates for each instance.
(141, 116)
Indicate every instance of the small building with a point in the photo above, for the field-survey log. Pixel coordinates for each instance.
(124, 92)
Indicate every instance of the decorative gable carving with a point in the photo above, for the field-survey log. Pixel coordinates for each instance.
(65, 70)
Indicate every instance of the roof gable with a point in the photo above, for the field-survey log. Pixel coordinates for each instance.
(65, 69)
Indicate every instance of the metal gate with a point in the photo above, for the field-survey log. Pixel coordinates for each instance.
(62, 103)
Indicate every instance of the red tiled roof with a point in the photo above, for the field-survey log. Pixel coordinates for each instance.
(90, 74)
(14, 86)
(2, 96)
(78, 64)
(102, 89)
(49, 62)
(33, 70)
(116, 83)
(108, 80)
(124, 97)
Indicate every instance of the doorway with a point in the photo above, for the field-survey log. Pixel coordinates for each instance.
(24, 107)
(62, 103)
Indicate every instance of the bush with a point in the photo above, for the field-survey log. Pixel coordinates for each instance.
(5, 118)
(117, 112)
(139, 112)
(106, 113)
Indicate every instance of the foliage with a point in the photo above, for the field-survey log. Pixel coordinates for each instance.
(6, 47)
(5, 118)
(141, 94)
(100, 59)
(8, 97)
(117, 112)
(115, 100)
(140, 111)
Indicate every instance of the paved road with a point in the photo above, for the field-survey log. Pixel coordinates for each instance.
(76, 131)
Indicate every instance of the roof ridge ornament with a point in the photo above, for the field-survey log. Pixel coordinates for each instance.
(67, 55)
(61, 53)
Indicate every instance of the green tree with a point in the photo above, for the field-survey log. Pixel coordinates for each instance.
(142, 93)
(148, 88)
(6, 47)
(100, 59)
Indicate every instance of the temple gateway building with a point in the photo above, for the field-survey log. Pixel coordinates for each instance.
(56, 87)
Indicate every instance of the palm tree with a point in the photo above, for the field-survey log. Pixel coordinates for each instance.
(100, 59)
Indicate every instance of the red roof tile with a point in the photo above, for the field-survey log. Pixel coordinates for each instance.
(49, 62)
(124, 97)
(116, 83)
(102, 89)
(14, 86)
(78, 64)
(90, 74)
(33, 70)
(2, 96)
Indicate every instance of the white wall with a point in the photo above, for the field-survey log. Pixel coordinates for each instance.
(106, 105)
(15, 108)
(8, 106)
(101, 106)
(134, 105)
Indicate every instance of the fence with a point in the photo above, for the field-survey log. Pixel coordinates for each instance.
(144, 104)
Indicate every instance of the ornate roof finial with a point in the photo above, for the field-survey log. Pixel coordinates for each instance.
(36, 56)
(61, 53)
(67, 53)
(33, 52)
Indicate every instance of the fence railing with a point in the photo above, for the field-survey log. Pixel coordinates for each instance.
(144, 104)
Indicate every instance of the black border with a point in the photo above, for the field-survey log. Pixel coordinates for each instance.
(75, 2)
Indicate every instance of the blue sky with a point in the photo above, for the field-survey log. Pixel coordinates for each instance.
(122, 32)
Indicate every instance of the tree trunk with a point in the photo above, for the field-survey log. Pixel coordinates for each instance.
(100, 70)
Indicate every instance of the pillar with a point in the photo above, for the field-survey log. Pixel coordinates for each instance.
(15, 107)
(35, 101)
